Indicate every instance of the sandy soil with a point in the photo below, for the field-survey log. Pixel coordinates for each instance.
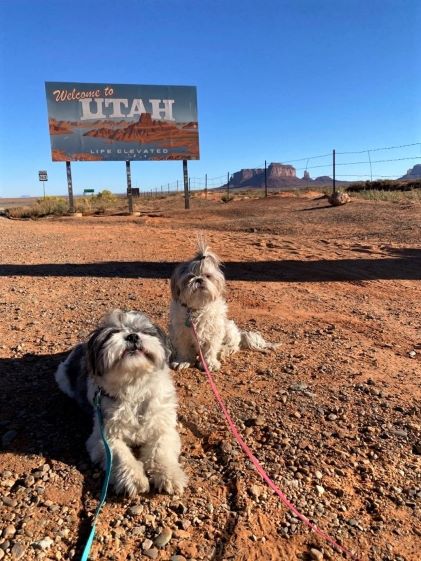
(333, 414)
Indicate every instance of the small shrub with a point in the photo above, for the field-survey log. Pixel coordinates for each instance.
(23, 212)
(50, 206)
(84, 204)
(227, 198)
(55, 206)
(107, 196)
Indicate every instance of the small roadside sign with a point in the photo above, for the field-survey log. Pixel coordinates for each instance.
(92, 191)
(43, 176)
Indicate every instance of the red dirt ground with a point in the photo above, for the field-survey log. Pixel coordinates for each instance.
(336, 406)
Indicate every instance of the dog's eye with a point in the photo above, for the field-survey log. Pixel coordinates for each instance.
(150, 332)
(208, 276)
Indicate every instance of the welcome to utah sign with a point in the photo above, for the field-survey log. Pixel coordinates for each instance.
(95, 122)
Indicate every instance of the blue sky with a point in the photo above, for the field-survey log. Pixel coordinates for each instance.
(277, 80)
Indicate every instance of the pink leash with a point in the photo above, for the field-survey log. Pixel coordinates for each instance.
(256, 463)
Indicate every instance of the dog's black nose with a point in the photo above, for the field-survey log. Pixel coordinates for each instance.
(132, 338)
(199, 280)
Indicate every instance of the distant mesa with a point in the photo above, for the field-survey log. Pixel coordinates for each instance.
(278, 176)
(413, 173)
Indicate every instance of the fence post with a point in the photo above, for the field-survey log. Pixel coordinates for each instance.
(266, 182)
(371, 169)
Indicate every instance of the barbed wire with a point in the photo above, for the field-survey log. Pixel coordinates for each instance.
(367, 175)
(221, 180)
(308, 158)
(379, 149)
(377, 161)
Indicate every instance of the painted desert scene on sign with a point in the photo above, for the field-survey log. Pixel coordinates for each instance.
(143, 138)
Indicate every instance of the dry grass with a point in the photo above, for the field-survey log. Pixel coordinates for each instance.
(50, 206)
(390, 196)
(59, 206)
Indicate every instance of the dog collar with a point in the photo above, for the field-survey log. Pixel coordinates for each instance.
(187, 321)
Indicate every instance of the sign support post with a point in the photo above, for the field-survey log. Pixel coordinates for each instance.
(129, 186)
(43, 176)
(186, 186)
(334, 173)
(70, 187)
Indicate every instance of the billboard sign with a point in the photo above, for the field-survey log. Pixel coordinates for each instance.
(105, 122)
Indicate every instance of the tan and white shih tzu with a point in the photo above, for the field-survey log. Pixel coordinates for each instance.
(197, 288)
(127, 358)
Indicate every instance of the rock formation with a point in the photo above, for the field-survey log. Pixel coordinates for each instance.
(413, 173)
(278, 176)
(338, 198)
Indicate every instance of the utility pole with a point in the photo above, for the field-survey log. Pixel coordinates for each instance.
(206, 186)
(334, 173)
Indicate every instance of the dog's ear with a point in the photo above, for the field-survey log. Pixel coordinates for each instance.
(165, 341)
(175, 290)
(112, 318)
(91, 347)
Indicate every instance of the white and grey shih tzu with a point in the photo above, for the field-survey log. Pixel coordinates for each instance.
(127, 358)
(197, 288)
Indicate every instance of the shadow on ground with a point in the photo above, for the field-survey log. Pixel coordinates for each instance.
(404, 264)
(45, 422)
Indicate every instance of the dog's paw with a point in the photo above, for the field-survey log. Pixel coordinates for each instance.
(128, 482)
(180, 365)
(172, 482)
(213, 364)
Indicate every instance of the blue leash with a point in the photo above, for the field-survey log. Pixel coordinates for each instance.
(104, 490)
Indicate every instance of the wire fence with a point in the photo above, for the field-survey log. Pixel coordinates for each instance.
(326, 166)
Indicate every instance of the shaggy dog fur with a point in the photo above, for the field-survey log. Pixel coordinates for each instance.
(127, 358)
(197, 288)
